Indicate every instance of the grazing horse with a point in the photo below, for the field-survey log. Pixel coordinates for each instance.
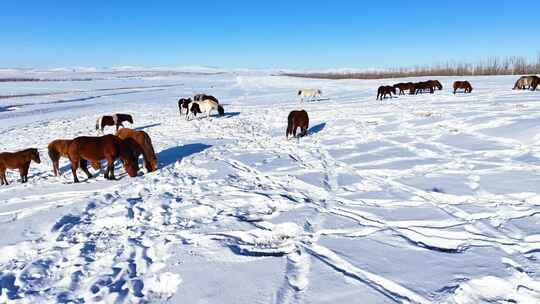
(421, 87)
(19, 160)
(436, 84)
(385, 90)
(201, 97)
(525, 82)
(309, 93)
(404, 87)
(94, 149)
(183, 103)
(297, 119)
(465, 85)
(143, 145)
(59, 148)
(113, 120)
(206, 106)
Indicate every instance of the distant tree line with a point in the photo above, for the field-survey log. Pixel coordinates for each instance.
(490, 66)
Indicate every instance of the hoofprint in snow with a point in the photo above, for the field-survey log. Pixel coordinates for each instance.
(416, 199)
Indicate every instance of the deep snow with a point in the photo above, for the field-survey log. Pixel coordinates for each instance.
(420, 199)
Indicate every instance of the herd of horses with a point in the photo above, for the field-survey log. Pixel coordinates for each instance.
(523, 83)
(128, 144)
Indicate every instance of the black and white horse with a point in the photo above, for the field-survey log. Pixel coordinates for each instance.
(205, 106)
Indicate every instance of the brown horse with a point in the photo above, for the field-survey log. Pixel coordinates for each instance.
(94, 149)
(430, 86)
(465, 85)
(297, 119)
(385, 90)
(143, 145)
(183, 103)
(18, 160)
(404, 87)
(113, 120)
(422, 87)
(201, 97)
(436, 84)
(60, 148)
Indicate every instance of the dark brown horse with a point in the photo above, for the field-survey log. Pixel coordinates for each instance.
(113, 120)
(383, 91)
(183, 103)
(201, 97)
(143, 145)
(465, 85)
(427, 86)
(297, 119)
(94, 149)
(402, 87)
(436, 84)
(18, 160)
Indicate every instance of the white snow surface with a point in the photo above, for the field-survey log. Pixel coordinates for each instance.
(416, 199)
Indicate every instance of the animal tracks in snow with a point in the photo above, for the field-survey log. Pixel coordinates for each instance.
(418, 199)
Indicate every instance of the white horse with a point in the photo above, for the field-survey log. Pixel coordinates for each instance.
(309, 93)
(206, 106)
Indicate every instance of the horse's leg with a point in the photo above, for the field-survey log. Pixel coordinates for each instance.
(84, 166)
(3, 175)
(74, 167)
(110, 168)
(56, 165)
(24, 172)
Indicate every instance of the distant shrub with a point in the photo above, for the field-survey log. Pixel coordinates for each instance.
(490, 66)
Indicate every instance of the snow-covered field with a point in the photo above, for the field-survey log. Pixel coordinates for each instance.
(418, 199)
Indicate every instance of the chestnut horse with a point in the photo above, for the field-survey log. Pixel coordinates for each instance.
(59, 148)
(297, 119)
(18, 160)
(465, 85)
(94, 149)
(143, 145)
(385, 90)
(113, 120)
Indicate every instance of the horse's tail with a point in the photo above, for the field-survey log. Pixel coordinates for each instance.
(53, 154)
(221, 111)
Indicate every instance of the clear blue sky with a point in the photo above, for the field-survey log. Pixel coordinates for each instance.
(267, 33)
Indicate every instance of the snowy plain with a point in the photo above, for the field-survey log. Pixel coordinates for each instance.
(416, 199)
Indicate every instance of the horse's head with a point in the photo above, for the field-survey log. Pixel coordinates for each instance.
(34, 155)
(438, 85)
(319, 92)
(299, 93)
(129, 118)
(128, 158)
